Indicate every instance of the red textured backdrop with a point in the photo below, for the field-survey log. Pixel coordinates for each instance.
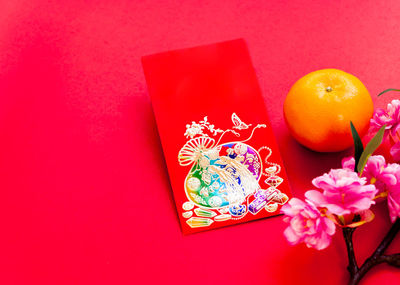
(84, 192)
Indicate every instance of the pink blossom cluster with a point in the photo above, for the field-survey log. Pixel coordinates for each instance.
(343, 198)
(391, 118)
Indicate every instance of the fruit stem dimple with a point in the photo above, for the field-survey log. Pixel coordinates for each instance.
(329, 89)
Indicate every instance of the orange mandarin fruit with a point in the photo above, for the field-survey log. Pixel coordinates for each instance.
(319, 107)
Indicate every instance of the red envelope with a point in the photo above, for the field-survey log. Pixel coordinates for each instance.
(223, 161)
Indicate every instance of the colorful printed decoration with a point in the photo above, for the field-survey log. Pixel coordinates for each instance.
(260, 201)
(271, 207)
(204, 213)
(274, 181)
(237, 210)
(222, 218)
(187, 206)
(195, 222)
(187, 214)
(224, 176)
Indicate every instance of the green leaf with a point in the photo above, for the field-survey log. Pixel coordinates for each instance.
(370, 148)
(358, 146)
(388, 90)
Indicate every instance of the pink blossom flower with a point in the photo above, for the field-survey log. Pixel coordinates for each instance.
(343, 192)
(385, 177)
(306, 224)
(393, 191)
(389, 117)
(374, 171)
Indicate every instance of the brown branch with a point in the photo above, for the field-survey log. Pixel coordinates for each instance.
(376, 258)
(388, 238)
(393, 259)
(348, 237)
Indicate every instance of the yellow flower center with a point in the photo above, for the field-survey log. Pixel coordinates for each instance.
(381, 195)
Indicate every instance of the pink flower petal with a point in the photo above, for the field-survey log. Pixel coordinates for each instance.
(393, 191)
(291, 236)
(395, 151)
(316, 197)
(348, 163)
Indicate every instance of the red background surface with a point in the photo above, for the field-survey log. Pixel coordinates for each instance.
(84, 192)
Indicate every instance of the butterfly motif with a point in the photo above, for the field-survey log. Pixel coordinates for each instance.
(238, 124)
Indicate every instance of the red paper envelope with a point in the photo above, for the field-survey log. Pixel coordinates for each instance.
(222, 158)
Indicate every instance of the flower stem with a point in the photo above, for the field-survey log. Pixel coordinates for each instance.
(356, 273)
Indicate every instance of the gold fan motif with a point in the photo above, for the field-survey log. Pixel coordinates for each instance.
(193, 149)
